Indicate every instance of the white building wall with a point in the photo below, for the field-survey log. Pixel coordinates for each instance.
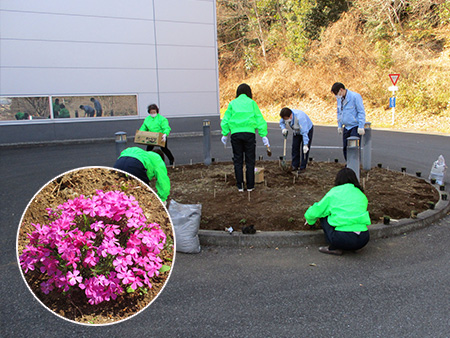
(165, 51)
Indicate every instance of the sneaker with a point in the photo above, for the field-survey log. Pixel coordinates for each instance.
(250, 189)
(240, 190)
(325, 249)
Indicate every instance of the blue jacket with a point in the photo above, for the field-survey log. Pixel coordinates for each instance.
(350, 111)
(301, 123)
(89, 110)
(98, 106)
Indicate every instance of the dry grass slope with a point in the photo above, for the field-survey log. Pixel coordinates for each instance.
(345, 54)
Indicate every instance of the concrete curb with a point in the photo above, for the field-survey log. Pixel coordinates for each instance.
(278, 239)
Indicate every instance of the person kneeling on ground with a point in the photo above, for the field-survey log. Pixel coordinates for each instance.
(145, 165)
(343, 214)
(303, 130)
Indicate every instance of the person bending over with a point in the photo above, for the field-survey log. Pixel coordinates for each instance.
(146, 165)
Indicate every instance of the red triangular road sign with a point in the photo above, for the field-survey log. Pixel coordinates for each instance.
(394, 78)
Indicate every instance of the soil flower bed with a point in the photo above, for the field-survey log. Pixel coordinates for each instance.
(280, 202)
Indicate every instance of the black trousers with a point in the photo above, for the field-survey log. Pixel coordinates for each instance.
(346, 134)
(244, 145)
(132, 166)
(165, 150)
(299, 159)
(343, 240)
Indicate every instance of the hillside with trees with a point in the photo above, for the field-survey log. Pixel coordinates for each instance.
(291, 51)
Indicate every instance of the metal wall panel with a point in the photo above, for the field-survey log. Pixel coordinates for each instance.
(165, 51)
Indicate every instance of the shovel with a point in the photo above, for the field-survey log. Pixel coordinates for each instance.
(284, 165)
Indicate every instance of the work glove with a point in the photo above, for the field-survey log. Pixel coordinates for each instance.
(164, 137)
(339, 130)
(266, 141)
(361, 131)
(284, 132)
(224, 140)
(305, 149)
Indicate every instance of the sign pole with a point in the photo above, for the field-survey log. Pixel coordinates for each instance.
(393, 89)
(393, 109)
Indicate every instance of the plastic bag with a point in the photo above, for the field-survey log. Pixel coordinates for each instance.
(186, 222)
(438, 170)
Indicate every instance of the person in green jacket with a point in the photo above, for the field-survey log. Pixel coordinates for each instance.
(241, 119)
(343, 214)
(56, 108)
(63, 112)
(22, 116)
(146, 165)
(157, 124)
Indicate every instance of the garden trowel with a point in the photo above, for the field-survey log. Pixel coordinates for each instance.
(284, 165)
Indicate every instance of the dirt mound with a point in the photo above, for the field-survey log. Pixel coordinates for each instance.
(280, 202)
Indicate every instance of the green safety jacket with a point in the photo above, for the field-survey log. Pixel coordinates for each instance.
(243, 116)
(157, 124)
(155, 168)
(345, 206)
(20, 116)
(64, 113)
(56, 109)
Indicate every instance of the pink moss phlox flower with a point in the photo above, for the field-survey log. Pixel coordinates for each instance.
(134, 240)
(46, 287)
(96, 226)
(111, 230)
(127, 276)
(84, 238)
(27, 262)
(49, 265)
(73, 277)
(132, 250)
(112, 246)
(91, 260)
(121, 263)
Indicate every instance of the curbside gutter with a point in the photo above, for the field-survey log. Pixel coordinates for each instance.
(278, 239)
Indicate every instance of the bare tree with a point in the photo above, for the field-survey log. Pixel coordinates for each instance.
(39, 105)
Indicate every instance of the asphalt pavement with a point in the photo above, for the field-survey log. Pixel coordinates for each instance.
(395, 287)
